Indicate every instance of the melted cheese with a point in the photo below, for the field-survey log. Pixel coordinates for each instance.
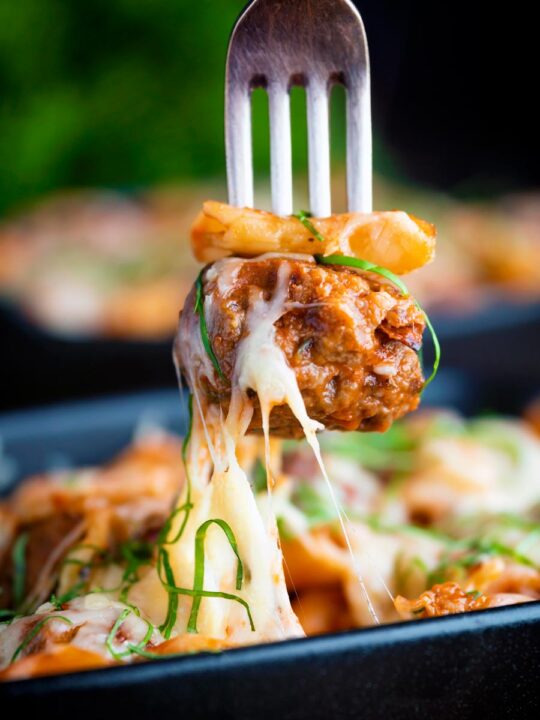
(220, 488)
(91, 617)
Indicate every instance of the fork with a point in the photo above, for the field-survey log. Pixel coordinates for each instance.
(277, 44)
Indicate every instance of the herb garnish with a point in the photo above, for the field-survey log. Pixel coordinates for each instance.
(169, 584)
(367, 266)
(473, 553)
(163, 562)
(60, 600)
(197, 591)
(199, 309)
(137, 554)
(212, 594)
(165, 571)
(198, 579)
(304, 216)
(131, 648)
(35, 630)
(18, 557)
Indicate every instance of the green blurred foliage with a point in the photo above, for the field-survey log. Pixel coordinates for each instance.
(122, 93)
(112, 92)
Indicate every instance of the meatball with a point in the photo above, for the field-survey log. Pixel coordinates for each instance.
(350, 338)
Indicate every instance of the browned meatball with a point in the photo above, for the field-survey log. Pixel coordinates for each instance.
(350, 338)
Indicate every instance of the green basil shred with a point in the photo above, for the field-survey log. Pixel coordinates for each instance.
(35, 630)
(304, 216)
(60, 600)
(165, 571)
(468, 553)
(130, 648)
(18, 557)
(198, 579)
(163, 562)
(199, 309)
(197, 592)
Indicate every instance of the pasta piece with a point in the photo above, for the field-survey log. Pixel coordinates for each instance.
(323, 610)
(58, 659)
(396, 240)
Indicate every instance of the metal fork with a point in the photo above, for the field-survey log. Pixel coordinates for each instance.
(276, 44)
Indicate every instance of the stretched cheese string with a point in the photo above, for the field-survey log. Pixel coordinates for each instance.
(373, 564)
(261, 366)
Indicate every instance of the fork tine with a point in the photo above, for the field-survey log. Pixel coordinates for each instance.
(280, 147)
(238, 145)
(273, 43)
(318, 147)
(359, 152)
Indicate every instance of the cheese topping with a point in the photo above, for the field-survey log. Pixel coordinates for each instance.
(220, 487)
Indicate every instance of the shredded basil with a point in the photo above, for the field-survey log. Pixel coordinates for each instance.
(164, 567)
(367, 266)
(212, 594)
(198, 579)
(137, 554)
(199, 309)
(60, 600)
(304, 216)
(283, 529)
(172, 607)
(473, 553)
(185, 443)
(197, 592)
(112, 634)
(136, 650)
(130, 648)
(18, 557)
(35, 630)
(163, 562)
(188, 505)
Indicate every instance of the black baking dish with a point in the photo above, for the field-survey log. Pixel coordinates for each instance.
(481, 665)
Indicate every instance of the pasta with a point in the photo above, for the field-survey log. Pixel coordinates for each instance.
(398, 241)
(468, 559)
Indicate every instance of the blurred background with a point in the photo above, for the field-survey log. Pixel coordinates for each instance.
(111, 135)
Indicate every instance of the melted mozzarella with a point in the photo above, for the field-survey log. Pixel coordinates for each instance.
(221, 490)
(91, 617)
